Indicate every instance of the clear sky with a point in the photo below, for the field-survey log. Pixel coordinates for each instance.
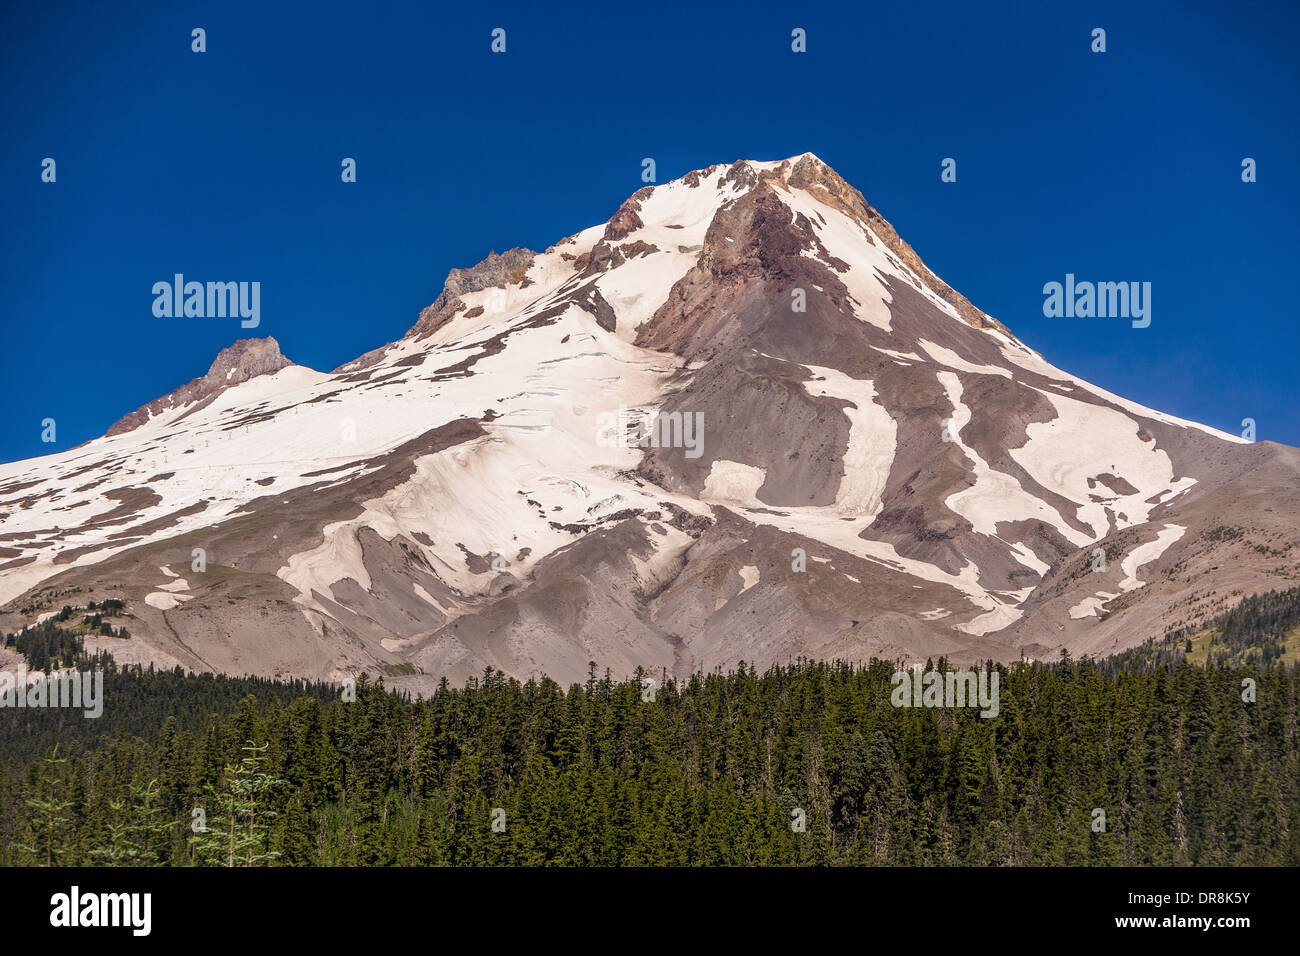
(225, 166)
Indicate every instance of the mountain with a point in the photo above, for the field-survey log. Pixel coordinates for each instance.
(740, 420)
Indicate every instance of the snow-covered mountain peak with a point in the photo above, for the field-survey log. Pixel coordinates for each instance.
(625, 267)
(739, 419)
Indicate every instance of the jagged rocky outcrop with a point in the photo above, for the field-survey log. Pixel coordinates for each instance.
(244, 360)
(496, 270)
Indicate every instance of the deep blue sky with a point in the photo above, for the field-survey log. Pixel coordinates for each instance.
(225, 166)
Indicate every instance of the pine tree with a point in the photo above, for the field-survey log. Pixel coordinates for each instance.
(237, 835)
(48, 824)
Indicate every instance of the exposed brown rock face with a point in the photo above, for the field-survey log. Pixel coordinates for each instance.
(626, 219)
(750, 240)
(591, 300)
(495, 270)
(247, 358)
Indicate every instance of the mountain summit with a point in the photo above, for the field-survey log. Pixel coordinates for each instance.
(740, 420)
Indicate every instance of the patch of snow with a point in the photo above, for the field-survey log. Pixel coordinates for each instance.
(734, 482)
(748, 577)
(945, 356)
(164, 601)
(1091, 606)
(1146, 553)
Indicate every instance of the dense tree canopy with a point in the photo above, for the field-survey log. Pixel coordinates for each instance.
(711, 771)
